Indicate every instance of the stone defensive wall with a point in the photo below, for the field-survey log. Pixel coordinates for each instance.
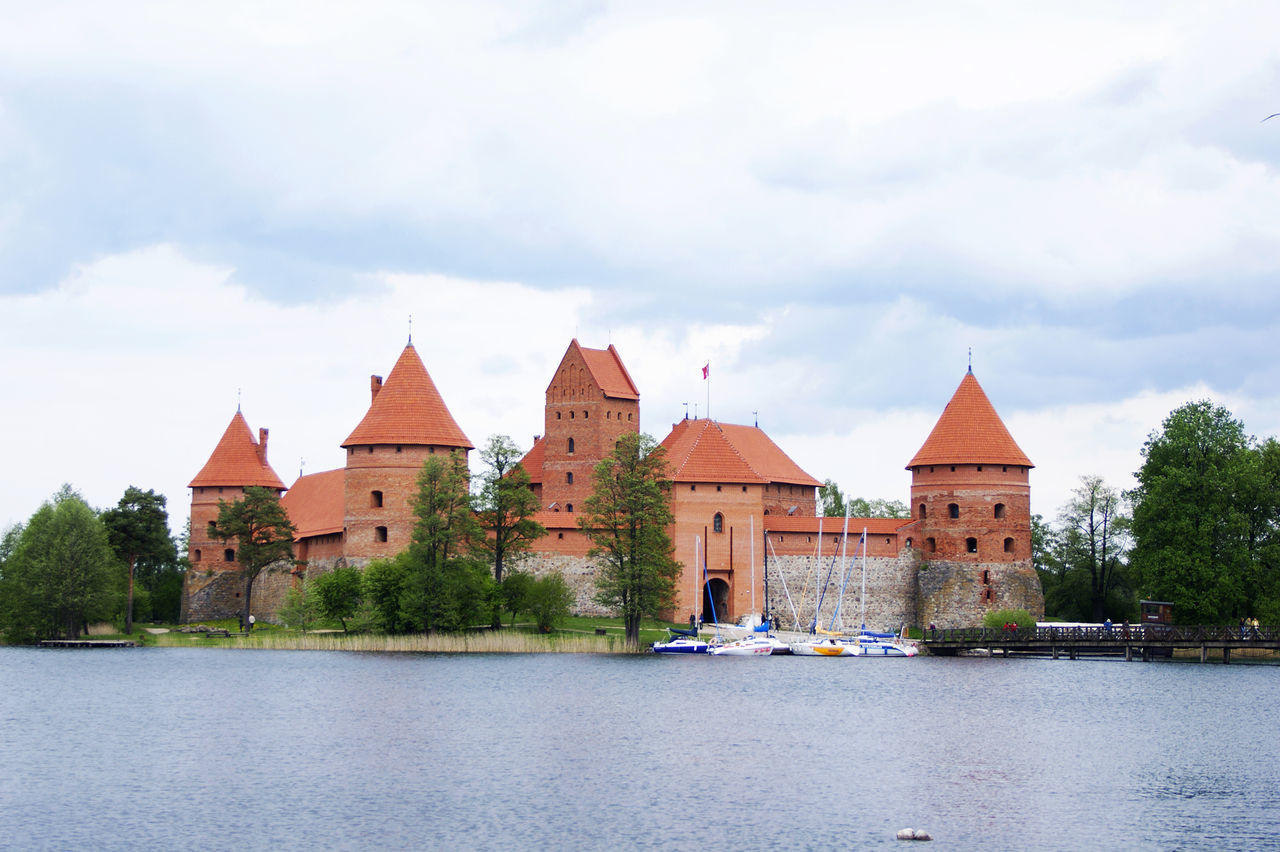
(802, 581)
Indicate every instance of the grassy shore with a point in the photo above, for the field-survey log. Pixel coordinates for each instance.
(578, 635)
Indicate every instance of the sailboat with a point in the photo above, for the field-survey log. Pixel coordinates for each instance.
(867, 643)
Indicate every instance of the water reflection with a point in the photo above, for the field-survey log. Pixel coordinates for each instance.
(160, 748)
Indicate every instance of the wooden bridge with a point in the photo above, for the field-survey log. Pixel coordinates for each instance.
(1141, 641)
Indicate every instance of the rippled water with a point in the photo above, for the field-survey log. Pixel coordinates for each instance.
(229, 749)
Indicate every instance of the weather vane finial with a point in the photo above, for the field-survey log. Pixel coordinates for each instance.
(237, 400)
(970, 359)
(410, 329)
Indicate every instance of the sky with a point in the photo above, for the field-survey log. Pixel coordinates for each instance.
(834, 204)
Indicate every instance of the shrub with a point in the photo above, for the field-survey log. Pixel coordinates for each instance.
(1000, 617)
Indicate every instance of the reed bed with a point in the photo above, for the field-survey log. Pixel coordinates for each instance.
(480, 642)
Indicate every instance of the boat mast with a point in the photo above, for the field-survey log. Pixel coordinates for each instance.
(864, 578)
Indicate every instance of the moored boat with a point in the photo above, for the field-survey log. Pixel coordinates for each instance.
(750, 646)
(681, 642)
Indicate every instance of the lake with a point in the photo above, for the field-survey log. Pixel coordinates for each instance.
(161, 748)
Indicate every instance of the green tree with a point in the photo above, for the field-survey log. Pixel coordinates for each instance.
(876, 507)
(626, 518)
(505, 505)
(301, 607)
(263, 534)
(383, 586)
(138, 530)
(60, 572)
(830, 499)
(447, 586)
(1094, 541)
(339, 593)
(1190, 528)
(550, 600)
(516, 587)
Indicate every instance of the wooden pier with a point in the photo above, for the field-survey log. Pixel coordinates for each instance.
(1137, 641)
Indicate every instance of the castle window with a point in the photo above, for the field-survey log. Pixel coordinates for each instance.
(953, 468)
(953, 509)
(988, 595)
(572, 414)
(999, 510)
(213, 529)
(908, 542)
(375, 499)
(371, 449)
(229, 555)
(568, 478)
(744, 489)
(571, 446)
(559, 535)
(628, 417)
(717, 487)
(986, 578)
(195, 555)
(693, 487)
(586, 415)
(924, 511)
(717, 523)
(379, 533)
(971, 545)
(979, 468)
(219, 489)
(431, 450)
(888, 540)
(608, 415)
(397, 449)
(1004, 469)
(1008, 545)
(568, 507)
(557, 415)
(931, 545)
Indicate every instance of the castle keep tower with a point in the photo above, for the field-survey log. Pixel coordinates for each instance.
(971, 511)
(590, 402)
(406, 424)
(237, 463)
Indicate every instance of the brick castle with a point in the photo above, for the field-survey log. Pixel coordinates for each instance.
(746, 517)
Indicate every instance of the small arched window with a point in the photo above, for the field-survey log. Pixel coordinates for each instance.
(986, 578)
(931, 545)
(568, 478)
(953, 509)
(568, 507)
(213, 529)
(971, 545)
(1008, 545)
(717, 523)
(380, 533)
(570, 445)
(229, 555)
(908, 542)
(375, 499)
(999, 510)
(195, 556)
(924, 511)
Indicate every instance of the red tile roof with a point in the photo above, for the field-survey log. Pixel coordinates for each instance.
(606, 368)
(969, 432)
(314, 504)
(238, 460)
(408, 410)
(707, 451)
(532, 461)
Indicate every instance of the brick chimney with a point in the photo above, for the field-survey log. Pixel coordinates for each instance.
(262, 445)
(375, 385)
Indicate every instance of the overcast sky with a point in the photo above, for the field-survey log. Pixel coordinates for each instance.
(830, 202)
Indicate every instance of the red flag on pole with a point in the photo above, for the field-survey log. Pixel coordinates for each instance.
(706, 370)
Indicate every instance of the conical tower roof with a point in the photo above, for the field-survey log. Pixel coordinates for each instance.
(238, 461)
(969, 432)
(408, 410)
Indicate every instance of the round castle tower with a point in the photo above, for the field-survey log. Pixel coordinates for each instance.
(406, 424)
(971, 504)
(237, 463)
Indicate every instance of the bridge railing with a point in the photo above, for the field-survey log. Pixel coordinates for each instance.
(1119, 633)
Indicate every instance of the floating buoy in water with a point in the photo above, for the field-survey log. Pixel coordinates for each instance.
(914, 834)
